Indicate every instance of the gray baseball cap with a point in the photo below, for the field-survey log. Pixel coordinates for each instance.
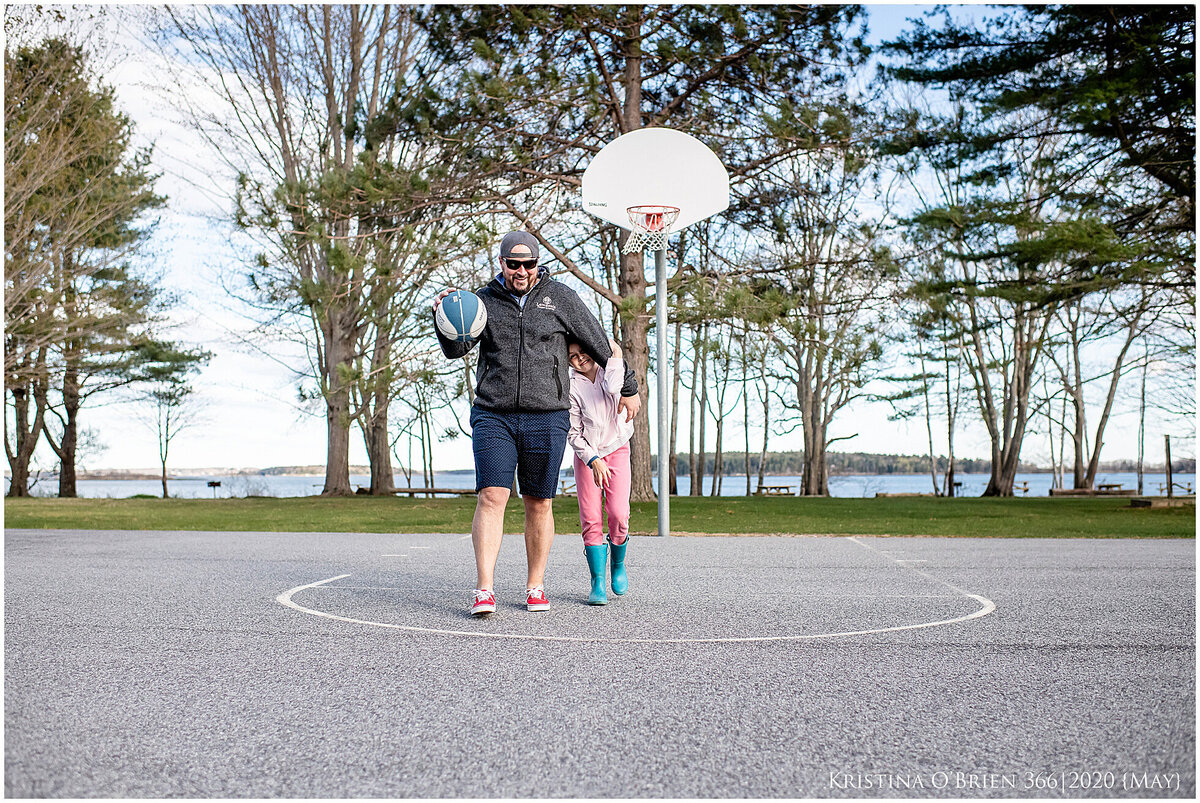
(515, 238)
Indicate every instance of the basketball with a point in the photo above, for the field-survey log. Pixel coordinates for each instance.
(461, 316)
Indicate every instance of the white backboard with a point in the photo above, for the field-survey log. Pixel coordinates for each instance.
(655, 166)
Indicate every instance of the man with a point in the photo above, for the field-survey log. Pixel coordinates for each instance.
(521, 416)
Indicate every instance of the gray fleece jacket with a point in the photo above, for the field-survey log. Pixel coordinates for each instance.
(523, 349)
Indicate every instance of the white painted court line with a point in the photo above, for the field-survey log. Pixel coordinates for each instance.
(285, 599)
(989, 606)
(764, 595)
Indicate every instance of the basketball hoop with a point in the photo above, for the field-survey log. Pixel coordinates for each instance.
(651, 223)
(666, 167)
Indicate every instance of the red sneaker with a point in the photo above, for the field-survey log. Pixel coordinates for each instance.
(535, 599)
(484, 602)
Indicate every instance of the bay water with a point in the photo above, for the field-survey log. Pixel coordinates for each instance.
(858, 485)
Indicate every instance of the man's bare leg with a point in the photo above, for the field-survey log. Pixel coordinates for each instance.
(487, 531)
(539, 536)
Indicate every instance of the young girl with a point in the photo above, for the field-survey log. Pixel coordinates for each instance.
(599, 436)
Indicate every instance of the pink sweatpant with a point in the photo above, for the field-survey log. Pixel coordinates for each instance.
(615, 503)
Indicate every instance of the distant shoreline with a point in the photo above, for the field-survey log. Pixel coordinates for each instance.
(364, 471)
(208, 473)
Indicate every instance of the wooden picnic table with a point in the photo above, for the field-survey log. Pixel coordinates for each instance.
(1109, 486)
(774, 490)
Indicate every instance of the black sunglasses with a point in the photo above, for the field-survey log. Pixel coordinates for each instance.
(518, 264)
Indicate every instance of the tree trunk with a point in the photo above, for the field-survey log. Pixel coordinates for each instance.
(995, 487)
(1007, 431)
(166, 413)
(428, 468)
(929, 425)
(951, 410)
(1079, 436)
(1094, 461)
(1167, 459)
(693, 476)
(70, 437)
(1141, 458)
(673, 465)
(72, 357)
(1001, 482)
(815, 480)
(379, 455)
(425, 446)
(632, 278)
(746, 410)
(375, 433)
(337, 408)
(766, 403)
(809, 394)
(718, 459)
(26, 433)
(1007, 452)
(1003, 470)
(637, 353)
(1054, 474)
(719, 418)
(18, 480)
(337, 453)
(1062, 444)
(406, 467)
(719, 468)
(702, 457)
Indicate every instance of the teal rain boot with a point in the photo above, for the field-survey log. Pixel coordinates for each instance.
(597, 560)
(620, 581)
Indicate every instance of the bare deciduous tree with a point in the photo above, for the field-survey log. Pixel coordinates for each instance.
(315, 103)
(173, 408)
(821, 252)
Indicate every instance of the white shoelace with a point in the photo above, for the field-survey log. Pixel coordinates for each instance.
(541, 592)
(482, 594)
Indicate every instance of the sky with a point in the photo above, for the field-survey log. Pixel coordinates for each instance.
(250, 416)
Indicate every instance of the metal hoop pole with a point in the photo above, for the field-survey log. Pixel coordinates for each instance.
(664, 390)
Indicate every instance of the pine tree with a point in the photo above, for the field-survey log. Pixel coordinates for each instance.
(1120, 79)
(79, 317)
(1058, 117)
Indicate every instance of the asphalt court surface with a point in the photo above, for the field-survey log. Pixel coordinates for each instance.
(345, 665)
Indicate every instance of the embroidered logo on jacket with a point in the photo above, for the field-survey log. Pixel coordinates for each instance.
(546, 303)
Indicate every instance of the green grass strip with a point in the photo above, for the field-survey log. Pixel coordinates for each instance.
(1003, 518)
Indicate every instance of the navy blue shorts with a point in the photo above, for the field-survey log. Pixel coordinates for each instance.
(530, 444)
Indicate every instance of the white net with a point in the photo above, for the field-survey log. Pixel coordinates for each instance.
(645, 241)
(651, 225)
